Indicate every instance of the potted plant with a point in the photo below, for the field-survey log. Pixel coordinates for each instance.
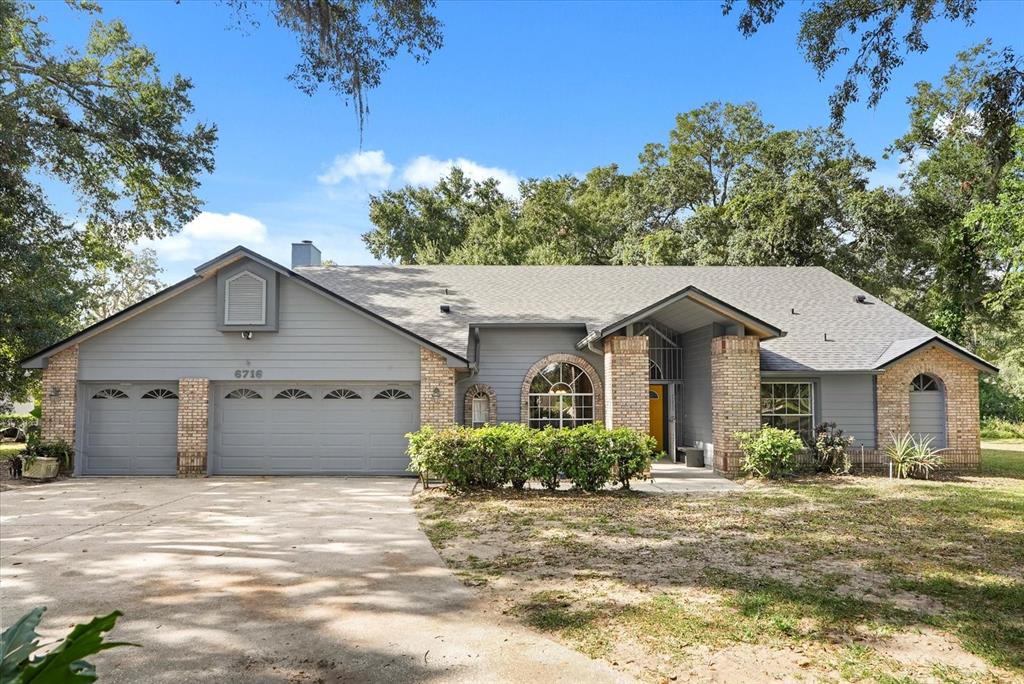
(44, 460)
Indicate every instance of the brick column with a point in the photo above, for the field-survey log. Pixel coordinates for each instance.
(60, 397)
(735, 396)
(437, 390)
(193, 426)
(960, 387)
(627, 383)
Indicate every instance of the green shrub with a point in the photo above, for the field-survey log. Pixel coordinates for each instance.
(911, 456)
(549, 456)
(999, 399)
(633, 452)
(829, 449)
(589, 463)
(770, 452)
(58, 449)
(495, 456)
(516, 453)
(997, 428)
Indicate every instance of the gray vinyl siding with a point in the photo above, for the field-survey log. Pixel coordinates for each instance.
(695, 418)
(849, 402)
(506, 354)
(318, 340)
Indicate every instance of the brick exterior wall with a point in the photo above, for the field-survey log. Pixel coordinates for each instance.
(627, 376)
(492, 404)
(735, 396)
(193, 426)
(60, 397)
(595, 382)
(960, 386)
(437, 390)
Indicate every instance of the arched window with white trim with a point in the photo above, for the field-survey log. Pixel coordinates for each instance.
(561, 395)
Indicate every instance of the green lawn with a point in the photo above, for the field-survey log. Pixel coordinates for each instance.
(853, 578)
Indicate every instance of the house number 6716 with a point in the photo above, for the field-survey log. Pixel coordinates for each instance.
(248, 373)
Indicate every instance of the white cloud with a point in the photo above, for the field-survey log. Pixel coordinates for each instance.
(207, 235)
(370, 166)
(425, 170)
(210, 225)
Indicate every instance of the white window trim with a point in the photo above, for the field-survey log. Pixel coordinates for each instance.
(563, 422)
(227, 291)
(810, 385)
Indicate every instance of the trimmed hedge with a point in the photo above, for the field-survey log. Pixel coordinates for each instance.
(491, 457)
(21, 421)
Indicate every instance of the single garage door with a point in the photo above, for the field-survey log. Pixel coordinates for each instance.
(292, 429)
(130, 429)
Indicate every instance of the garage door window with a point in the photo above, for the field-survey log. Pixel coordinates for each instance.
(292, 394)
(110, 393)
(243, 393)
(392, 394)
(159, 393)
(342, 394)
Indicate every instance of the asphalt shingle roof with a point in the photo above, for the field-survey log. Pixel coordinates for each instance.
(860, 336)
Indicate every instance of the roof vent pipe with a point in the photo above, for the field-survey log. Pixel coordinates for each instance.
(305, 253)
(860, 299)
(446, 309)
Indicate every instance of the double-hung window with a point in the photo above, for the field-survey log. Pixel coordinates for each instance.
(789, 405)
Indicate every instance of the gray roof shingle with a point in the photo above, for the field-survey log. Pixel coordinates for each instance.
(861, 336)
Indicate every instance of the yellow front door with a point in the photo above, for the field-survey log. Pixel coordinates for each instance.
(657, 395)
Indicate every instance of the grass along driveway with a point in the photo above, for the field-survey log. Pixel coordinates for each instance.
(851, 578)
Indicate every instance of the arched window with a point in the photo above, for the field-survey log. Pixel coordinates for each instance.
(342, 394)
(110, 393)
(243, 393)
(481, 407)
(561, 395)
(292, 394)
(392, 394)
(656, 373)
(159, 393)
(928, 410)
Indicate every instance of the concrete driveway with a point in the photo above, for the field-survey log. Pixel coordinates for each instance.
(260, 580)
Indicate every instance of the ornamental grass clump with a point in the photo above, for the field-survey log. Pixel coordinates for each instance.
(912, 456)
(770, 452)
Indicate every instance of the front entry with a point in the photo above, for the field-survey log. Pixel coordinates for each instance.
(657, 396)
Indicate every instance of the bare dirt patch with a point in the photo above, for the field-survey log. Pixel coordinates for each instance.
(841, 579)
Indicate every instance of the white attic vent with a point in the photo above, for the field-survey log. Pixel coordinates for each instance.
(245, 300)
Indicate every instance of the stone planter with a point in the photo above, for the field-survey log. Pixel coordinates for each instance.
(42, 468)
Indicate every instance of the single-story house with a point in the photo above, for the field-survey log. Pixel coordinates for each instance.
(249, 367)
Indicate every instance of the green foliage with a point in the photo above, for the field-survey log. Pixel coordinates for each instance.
(589, 463)
(912, 456)
(65, 662)
(829, 449)
(770, 452)
(348, 44)
(825, 27)
(997, 428)
(58, 449)
(634, 452)
(104, 123)
(21, 421)
(998, 400)
(490, 457)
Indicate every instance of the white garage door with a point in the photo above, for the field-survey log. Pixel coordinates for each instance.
(130, 429)
(294, 429)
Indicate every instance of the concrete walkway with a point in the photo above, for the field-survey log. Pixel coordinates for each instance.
(260, 580)
(676, 478)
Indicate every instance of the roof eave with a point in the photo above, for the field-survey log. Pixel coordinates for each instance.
(955, 349)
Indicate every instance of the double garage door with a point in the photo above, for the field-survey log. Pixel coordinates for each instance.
(256, 428)
(282, 429)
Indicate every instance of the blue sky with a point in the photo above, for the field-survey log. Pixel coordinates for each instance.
(518, 90)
